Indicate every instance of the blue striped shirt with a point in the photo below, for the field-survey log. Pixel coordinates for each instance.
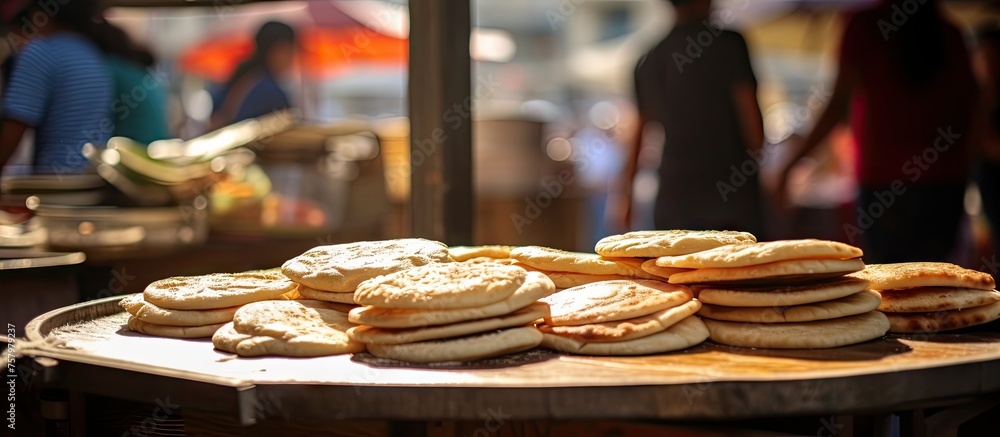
(60, 87)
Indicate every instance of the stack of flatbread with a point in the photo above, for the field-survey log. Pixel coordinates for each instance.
(293, 328)
(493, 253)
(623, 317)
(332, 273)
(570, 269)
(928, 297)
(197, 306)
(788, 294)
(647, 246)
(450, 312)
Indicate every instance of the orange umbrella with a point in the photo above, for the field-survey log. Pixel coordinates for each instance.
(323, 52)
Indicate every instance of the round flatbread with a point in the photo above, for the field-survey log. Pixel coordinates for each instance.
(802, 335)
(611, 301)
(524, 316)
(219, 290)
(649, 266)
(466, 253)
(150, 313)
(943, 320)
(681, 335)
(555, 260)
(536, 286)
(930, 299)
(570, 280)
(326, 296)
(306, 327)
(924, 274)
(780, 296)
(341, 267)
(442, 286)
(743, 255)
(137, 325)
(484, 259)
(625, 330)
(652, 244)
(461, 349)
(244, 345)
(858, 303)
(776, 273)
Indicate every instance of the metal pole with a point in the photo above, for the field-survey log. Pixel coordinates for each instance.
(441, 205)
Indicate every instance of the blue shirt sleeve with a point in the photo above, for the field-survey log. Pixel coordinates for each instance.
(31, 86)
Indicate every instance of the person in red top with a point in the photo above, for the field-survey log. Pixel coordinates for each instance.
(906, 85)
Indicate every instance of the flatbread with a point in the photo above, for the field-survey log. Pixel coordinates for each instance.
(570, 280)
(218, 290)
(682, 335)
(137, 325)
(244, 345)
(442, 286)
(652, 244)
(555, 260)
(150, 313)
(782, 295)
(524, 316)
(858, 303)
(466, 253)
(341, 267)
(326, 296)
(943, 320)
(821, 334)
(743, 255)
(308, 327)
(625, 330)
(485, 259)
(776, 273)
(649, 266)
(930, 299)
(536, 286)
(924, 274)
(477, 347)
(610, 301)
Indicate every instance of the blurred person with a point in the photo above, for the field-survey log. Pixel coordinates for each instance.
(988, 165)
(57, 81)
(139, 101)
(905, 84)
(254, 90)
(699, 86)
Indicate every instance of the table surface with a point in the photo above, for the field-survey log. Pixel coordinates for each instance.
(709, 381)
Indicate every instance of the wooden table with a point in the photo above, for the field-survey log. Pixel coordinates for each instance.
(82, 347)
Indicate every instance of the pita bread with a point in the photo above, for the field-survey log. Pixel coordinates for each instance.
(535, 287)
(924, 274)
(504, 261)
(821, 334)
(477, 347)
(743, 255)
(341, 267)
(466, 253)
(857, 303)
(137, 325)
(649, 266)
(781, 296)
(524, 316)
(442, 286)
(625, 330)
(651, 244)
(555, 260)
(610, 301)
(219, 290)
(307, 327)
(570, 280)
(930, 299)
(326, 296)
(776, 273)
(682, 335)
(150, 313)
(943, 320)
(227, 339)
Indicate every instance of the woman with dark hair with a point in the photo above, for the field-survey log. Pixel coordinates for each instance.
(253, 89)
(905, 84)
(57, 85)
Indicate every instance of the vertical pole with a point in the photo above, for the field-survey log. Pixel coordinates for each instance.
(439, 93)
